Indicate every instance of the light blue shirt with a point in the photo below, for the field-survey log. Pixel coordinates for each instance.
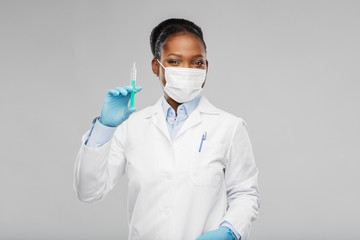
(100, 134)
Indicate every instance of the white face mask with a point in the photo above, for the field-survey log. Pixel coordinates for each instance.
(183, 84)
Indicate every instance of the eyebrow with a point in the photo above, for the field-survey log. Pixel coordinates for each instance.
(178, 55)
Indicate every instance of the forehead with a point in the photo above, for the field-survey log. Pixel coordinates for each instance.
(184, 44)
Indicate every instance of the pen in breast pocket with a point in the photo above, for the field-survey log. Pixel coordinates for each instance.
(202, 139)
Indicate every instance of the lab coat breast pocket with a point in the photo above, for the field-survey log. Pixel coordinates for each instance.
(207, 166)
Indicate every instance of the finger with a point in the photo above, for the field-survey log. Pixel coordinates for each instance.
(113, 92)
(128, 88)
(122, 91)
(132, 109)
(129, 111)
(138, 88)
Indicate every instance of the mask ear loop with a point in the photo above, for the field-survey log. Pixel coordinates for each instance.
(160, 63)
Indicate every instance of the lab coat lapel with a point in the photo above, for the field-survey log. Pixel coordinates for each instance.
(157, 118)
(195, 117)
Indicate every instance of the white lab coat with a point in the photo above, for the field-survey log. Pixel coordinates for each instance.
(174, 191)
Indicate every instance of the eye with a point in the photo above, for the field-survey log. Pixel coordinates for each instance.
(199, 63)
(173, 62)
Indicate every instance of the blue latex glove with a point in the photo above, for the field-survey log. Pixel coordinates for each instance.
(222, 233)
(115, 108)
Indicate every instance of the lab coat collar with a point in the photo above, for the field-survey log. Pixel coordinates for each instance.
(157, 116)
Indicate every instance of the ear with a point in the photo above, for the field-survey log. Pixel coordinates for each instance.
(155, 67)
(207, 67)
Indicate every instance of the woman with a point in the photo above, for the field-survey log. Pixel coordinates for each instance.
(190, 167)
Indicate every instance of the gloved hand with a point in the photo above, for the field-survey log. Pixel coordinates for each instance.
(115, 108)
(222, 233)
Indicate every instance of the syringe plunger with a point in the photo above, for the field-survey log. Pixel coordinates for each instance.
(133, 72)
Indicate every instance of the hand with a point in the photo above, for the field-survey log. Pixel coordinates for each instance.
(222, 233)
(115, 108)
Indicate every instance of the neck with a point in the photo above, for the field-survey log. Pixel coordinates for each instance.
(172, 103)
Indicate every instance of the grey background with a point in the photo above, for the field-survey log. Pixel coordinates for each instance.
(289, 68)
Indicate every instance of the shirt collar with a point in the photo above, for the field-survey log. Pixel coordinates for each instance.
(204, 106)
(188, 106)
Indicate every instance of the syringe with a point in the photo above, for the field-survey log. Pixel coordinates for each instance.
(132, 82)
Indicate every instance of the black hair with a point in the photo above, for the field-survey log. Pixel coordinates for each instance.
(169, 27)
